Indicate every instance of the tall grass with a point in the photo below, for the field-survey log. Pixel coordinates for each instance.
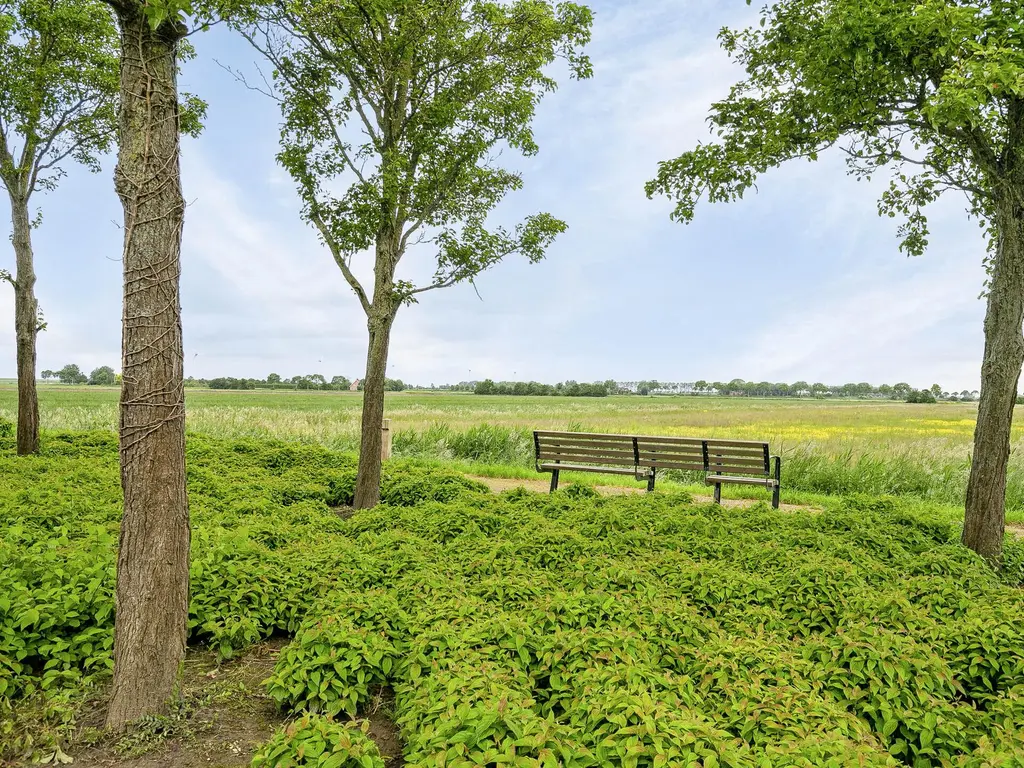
(920, 451)
(484, 443)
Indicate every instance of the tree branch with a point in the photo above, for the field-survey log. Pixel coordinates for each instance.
(339, 258)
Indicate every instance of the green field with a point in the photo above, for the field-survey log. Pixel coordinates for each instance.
(828, 447)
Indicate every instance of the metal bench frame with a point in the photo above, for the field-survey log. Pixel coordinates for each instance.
(740, 462)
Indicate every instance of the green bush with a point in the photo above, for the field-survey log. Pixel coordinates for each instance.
(6, 428)
(406, 486)
(535, 629)
(318, 741)
(332, 666)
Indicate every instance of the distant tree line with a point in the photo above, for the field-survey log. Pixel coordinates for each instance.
(103, 376)
(313, 381)
(567, 389)
(901, 391)
(735, 388)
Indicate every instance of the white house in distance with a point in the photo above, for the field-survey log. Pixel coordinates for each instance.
(663, 388)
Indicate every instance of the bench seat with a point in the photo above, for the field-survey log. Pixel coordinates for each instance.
(738, 462)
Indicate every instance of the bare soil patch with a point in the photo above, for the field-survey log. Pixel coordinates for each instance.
(222, 719)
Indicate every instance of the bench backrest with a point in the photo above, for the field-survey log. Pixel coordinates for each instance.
(583, 448)
(724, 457)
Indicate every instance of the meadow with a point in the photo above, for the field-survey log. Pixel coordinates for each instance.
(828, 447)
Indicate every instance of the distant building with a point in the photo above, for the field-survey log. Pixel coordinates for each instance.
(354, 386)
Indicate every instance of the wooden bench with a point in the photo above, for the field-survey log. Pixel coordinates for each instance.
(741, 462)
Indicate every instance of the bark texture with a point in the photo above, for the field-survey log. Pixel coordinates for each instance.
(368, 479)
(985, 514)
(26, 326)
(152, 566)
(381, 318)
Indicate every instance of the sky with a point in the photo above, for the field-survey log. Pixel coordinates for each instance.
(800, 281)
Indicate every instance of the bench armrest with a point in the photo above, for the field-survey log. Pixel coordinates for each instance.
(777, 468)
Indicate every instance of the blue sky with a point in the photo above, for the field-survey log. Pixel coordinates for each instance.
(801, 281)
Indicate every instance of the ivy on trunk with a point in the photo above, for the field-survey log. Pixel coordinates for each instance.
(932, 91)
(404, 105)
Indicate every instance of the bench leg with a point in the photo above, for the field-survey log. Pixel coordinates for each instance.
(554, 480)
(650, 480)
(777, 491)
(718, 493)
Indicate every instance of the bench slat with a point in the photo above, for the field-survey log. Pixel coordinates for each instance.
(619, 445)
(733, 461)
(584, 468)
(668, 464)
(712, 443)
(542, 434)
(618, 458)
(729, 450)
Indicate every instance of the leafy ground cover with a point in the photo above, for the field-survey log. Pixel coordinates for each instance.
(527, 629)
(829, 447)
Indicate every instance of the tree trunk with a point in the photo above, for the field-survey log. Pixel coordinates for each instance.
(152, 566)
(368, 479)
(985, 514)
(26, 324)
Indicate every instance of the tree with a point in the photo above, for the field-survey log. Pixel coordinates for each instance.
(700, 386)
(71, 374)
(936, 390)
(920, 396)
(152, 563)
(58, 77)
(341, 383)
(103, 376)
(48, 375)
(409, 103)
(274, 378)
(901, 390)
(935, 91)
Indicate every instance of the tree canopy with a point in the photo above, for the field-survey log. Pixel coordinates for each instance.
(408, 103)
(931, 88)
(933, 92)
(395, 113)
(58, 80)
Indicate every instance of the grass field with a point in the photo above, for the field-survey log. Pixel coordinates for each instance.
(828, 447)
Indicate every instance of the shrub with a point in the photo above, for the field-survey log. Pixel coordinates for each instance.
(331, 667)
(522, 628)
(313, 740)
(406, 486)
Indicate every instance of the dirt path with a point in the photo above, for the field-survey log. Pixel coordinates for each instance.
(499, 484)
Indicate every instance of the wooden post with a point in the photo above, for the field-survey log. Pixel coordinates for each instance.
(385, 440)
